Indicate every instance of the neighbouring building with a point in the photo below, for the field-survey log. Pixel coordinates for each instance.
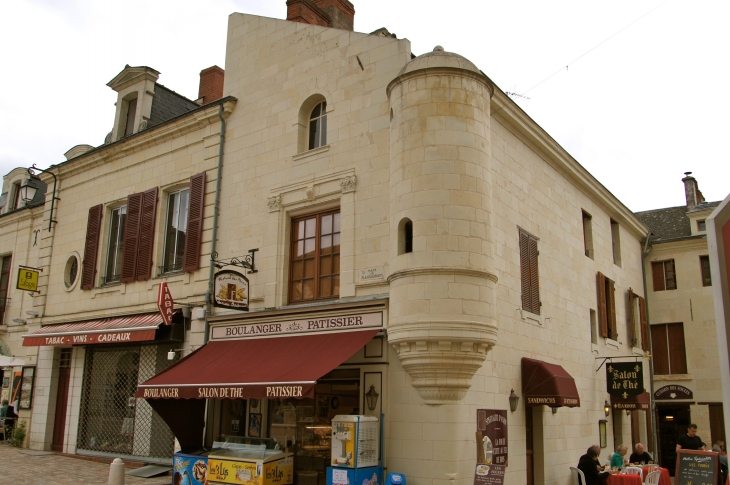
(679, 284)
(417, 249)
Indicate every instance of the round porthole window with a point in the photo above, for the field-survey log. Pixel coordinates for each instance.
(71, 272)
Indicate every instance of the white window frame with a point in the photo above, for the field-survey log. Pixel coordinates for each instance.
(177, 266)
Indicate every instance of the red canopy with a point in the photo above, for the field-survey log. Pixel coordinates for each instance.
(276, 367)
(642, 402)
(548, 384)
(114, 330)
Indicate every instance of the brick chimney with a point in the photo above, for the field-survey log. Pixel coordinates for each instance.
(692, 193)
(338, 14)
(211, 84)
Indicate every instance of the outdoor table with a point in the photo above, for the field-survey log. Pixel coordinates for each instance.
(664, 478)
(623, 479)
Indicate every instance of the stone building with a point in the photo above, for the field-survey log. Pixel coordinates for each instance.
(419, 249)
(679, 282)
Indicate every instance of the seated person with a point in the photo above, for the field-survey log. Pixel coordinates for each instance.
(589, 465)
(723, 462)
(6, 412)
(640, 455)
(617, 460)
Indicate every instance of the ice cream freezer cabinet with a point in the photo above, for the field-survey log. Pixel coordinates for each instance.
(231, 467)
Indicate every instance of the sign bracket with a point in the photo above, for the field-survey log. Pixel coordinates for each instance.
(635, 357)
(247, 262)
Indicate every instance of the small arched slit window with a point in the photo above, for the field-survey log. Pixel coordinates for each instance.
(405, 236)
(318, 126)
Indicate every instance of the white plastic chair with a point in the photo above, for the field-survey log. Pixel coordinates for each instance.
(653, 478)
(578, 477)
(652, 468)
(633, 470)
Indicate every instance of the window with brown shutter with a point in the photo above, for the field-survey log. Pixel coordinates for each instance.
(644, 323)
(131, 238)
(195, 223)
(315, 257)
(91, 248)
(632, 319)
(705, 268)
(4, 283)
(668, 349)
(663, 275)
(602, 304)
(529, 273)
(148, 217)
(612, 326)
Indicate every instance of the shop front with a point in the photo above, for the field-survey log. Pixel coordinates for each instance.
(110, 356)
(275, 380)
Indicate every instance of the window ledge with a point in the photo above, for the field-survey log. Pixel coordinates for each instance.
(612, 343)
(310, 153)
(532, 318)
(673, 377)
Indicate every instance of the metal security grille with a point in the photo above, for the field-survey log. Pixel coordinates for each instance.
(112, 420)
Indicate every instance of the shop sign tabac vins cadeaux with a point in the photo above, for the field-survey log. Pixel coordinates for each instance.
(231, 290)
(491, 446)
(625, 379)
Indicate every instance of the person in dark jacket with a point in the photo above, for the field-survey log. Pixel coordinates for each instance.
(589, 465)
(723, 462)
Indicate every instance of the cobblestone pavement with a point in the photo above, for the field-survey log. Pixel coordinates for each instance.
(17, 468)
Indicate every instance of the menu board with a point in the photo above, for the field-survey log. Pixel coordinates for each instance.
(697, 468)
(491, 438)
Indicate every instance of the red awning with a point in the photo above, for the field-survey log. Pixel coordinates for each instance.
(276, 367)
(134, 328)
(548, 384)
(641, 402)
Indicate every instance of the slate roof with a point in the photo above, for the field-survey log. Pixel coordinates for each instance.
(167, 104)
(671, 223)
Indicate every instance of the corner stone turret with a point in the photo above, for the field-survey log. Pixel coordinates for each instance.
(442, 294)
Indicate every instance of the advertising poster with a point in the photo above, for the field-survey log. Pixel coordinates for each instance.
(491, 439)
(625, 379)
(189, 470)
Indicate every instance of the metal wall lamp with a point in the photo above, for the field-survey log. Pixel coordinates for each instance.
(27, 192)
(372, 398)
(513, 400)
(606, 407)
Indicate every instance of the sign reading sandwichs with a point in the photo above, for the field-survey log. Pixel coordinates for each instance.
(319, 323)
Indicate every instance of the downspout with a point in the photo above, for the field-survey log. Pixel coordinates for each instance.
(654, 435)
(216, 205)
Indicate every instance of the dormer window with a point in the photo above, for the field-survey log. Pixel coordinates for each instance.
(701, 226)
(15, 194)
(131, 111)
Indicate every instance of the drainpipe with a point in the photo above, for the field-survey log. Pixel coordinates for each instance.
(215, 221)
(654, 436)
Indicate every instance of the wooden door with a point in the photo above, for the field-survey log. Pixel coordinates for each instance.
(529, 446)
(64, 379)
(717, 424)
(635, 429)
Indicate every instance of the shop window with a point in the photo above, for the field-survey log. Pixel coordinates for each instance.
(318, 126)
(4, 281)
(405, 236)
(668, 349)
(530, 277)
(663, 275)
(616, 242)
(315, 257)
(701, 225)
(116, 245)
(588, 234)
(705, 268)
(176, 227)
(606, 290)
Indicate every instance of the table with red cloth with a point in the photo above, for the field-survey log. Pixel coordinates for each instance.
(664, 478)
(623, 479)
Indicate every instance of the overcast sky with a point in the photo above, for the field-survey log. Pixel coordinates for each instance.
(637, 111)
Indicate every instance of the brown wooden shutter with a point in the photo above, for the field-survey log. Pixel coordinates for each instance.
(131, 238)
(525, 270)
(612, 310)
(602, 310)
(677, 352)
(657, 271)
(644, 324)
(91, 248)
(148, 216)
(534, 277)
(195, 223)
(632, 319)
(659, 350)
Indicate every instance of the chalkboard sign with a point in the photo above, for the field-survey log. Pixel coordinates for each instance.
(697, 468)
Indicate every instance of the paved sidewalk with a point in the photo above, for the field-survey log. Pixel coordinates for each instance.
(17, 468)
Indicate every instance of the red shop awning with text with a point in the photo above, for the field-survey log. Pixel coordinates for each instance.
(546, 384)
(114, 330)
(276, 367)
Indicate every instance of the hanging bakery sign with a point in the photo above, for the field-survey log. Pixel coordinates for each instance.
(625, 379)
(231, 290)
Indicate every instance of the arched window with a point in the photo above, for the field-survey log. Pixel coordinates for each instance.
(318, 126)
(405, 236)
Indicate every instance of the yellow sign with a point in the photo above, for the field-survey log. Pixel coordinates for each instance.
(277, 472)
(27, 279)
